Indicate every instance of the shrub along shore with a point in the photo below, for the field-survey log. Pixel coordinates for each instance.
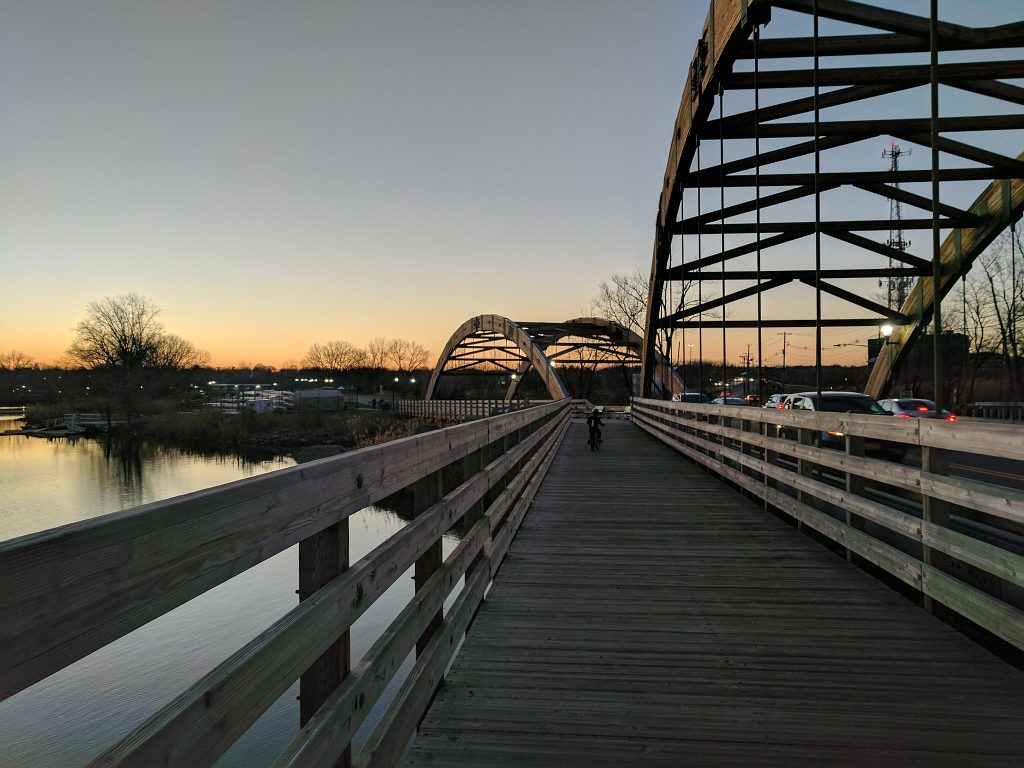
(304, 435)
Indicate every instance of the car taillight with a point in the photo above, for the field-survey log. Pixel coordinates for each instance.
(836, 434)
(903, 415)
(951, 418)
(779, 406)
(923, 409)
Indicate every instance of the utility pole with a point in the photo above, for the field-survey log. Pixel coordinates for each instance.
(746, 370)
(897, 288)
(785, 336)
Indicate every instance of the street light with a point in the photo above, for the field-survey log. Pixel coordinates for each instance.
(393, 385)
(886, 333)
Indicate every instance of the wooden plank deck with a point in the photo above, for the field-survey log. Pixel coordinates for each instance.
(647, 615)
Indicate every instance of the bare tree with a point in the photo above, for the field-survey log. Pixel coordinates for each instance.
(969, 313)
(1000, 272)
(624, 300)
(123, 337)
(15, 360)
(335, 356)
(407, 356)
(121, 333)
(988, 308)
(175, 353)
(377, 353)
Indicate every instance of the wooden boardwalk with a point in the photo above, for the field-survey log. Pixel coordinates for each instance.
(647, 615)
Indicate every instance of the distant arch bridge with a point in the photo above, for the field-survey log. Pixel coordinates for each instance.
(492, 343)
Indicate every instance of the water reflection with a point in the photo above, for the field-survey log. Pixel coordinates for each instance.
(53, 481)
(76, 713)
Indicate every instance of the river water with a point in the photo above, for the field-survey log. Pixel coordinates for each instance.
(76, 713)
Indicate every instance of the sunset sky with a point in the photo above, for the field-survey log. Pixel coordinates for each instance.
(276, 174)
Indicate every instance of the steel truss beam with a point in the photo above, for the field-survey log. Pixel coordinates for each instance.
(889, 33)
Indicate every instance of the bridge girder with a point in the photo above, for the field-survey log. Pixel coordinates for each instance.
(494, 341)
(726, 65)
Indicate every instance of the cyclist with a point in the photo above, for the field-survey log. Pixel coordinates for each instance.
(595, 424)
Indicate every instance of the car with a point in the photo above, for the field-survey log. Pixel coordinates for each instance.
(833, 402)
(775, 401)
(728, 401)
(914, 407)
(753, 400)
(844, 402)
(690, 397)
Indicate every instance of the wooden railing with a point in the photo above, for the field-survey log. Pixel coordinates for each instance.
(1003, 411)
(69, 591)
(459, 410)
(954, 540)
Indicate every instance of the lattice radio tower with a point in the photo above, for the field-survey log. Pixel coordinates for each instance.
(897, 286)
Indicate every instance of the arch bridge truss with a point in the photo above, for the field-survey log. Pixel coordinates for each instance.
(782, 160)
(495, 344)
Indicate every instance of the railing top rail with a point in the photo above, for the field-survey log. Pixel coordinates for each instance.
(988, 438)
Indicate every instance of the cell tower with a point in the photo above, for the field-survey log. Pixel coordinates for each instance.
(897, 287)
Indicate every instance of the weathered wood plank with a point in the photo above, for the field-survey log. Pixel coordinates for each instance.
(396, 727)
(647, 615)
(322, 740)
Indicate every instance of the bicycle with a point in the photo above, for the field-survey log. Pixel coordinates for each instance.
(595, 440)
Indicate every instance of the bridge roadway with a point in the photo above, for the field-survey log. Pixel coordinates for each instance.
(648, 615)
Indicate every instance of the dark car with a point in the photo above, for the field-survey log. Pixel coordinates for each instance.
(728, 401)
(690, 397)
(844, 402)
(914, 407)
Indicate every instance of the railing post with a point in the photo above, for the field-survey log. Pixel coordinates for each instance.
(322, 558)
(804, 467)
(854, 485)
(471, 465)
(747, 427)
(771, 457)
(426, 492)
(936, 462)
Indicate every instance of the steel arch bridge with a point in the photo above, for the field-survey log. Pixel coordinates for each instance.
(496, 344)
(787, 118)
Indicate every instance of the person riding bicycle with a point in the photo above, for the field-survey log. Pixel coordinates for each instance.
(595, 424)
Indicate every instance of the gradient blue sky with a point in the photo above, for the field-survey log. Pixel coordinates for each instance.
(274, 174)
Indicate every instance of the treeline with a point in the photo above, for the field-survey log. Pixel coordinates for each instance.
(121, 355)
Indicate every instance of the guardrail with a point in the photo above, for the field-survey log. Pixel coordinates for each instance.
(69, 591)
(897, 517)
